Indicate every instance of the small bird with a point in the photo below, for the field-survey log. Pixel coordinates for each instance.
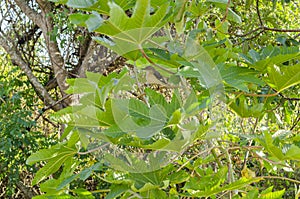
(154, 77)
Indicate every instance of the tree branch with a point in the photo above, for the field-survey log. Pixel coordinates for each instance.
(30, 13)
(25, 190)
(226, 11)
(45, 22)
(55, 56)
(258, 13)
(85, 59)
(17, 58)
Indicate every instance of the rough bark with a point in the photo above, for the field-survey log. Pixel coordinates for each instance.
(39, 88)
(45, 23)
(28, 194)
(86, 59)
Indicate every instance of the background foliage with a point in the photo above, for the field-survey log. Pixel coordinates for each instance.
(20, 135)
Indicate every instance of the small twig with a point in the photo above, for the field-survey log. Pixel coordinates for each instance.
(289, 98)
(229, 165)
(281, 30)
(93, 150)
(242, 126)
(244, 147)
(226, 12)
(257, 95)
(296, 122)
(263, 28)
(250, 143)
(250, 32)
(134, 195)
(250, 38)
(100, 191)
(230, 171)
(270, 161)
(49, 121)
(52, 105)
(150, 61)
(281, 178)
(255, 126)
(214, 153)
(258, 13)
(193, 157)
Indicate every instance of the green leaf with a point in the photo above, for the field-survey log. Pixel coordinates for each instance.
(83, 175)
(74, 138)
(129, 34)
(62, 155)
(83, 193)
(273, 195)
(157, 98)
(50, 186)
(293, 153)
(244, 110)
(83, 138)
(145, 188)
(67, 181)
(281, 78)
(46, 196)
(153, 179)
(233, 16)
(43, 155)
(81, 3)
(175, 118)
(253, 194)
(157, 193)
(59, 1)
(179, 177)
(134, 163)
(239, 77)
(126, 122)
(191, 105)
(159, 144)
(139, 111)
(199, 59)
(117, 190)
(267, 143)
(271, 56)
(91, 116)
(207, 183)
(233, 186)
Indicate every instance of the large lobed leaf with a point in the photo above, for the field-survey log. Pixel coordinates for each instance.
(281, 78)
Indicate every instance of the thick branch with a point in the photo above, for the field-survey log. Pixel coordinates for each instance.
(45, 22)
(84, 65)
(41, 91)
(25, 190)
(52, 46)
(30, 13)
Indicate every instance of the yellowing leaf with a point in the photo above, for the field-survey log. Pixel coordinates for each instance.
(248, 173)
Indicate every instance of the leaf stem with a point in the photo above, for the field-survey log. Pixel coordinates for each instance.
(151, 62)
(93, 150)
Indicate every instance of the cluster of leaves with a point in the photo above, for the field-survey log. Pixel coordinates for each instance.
(18, 137)
(137, 138)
